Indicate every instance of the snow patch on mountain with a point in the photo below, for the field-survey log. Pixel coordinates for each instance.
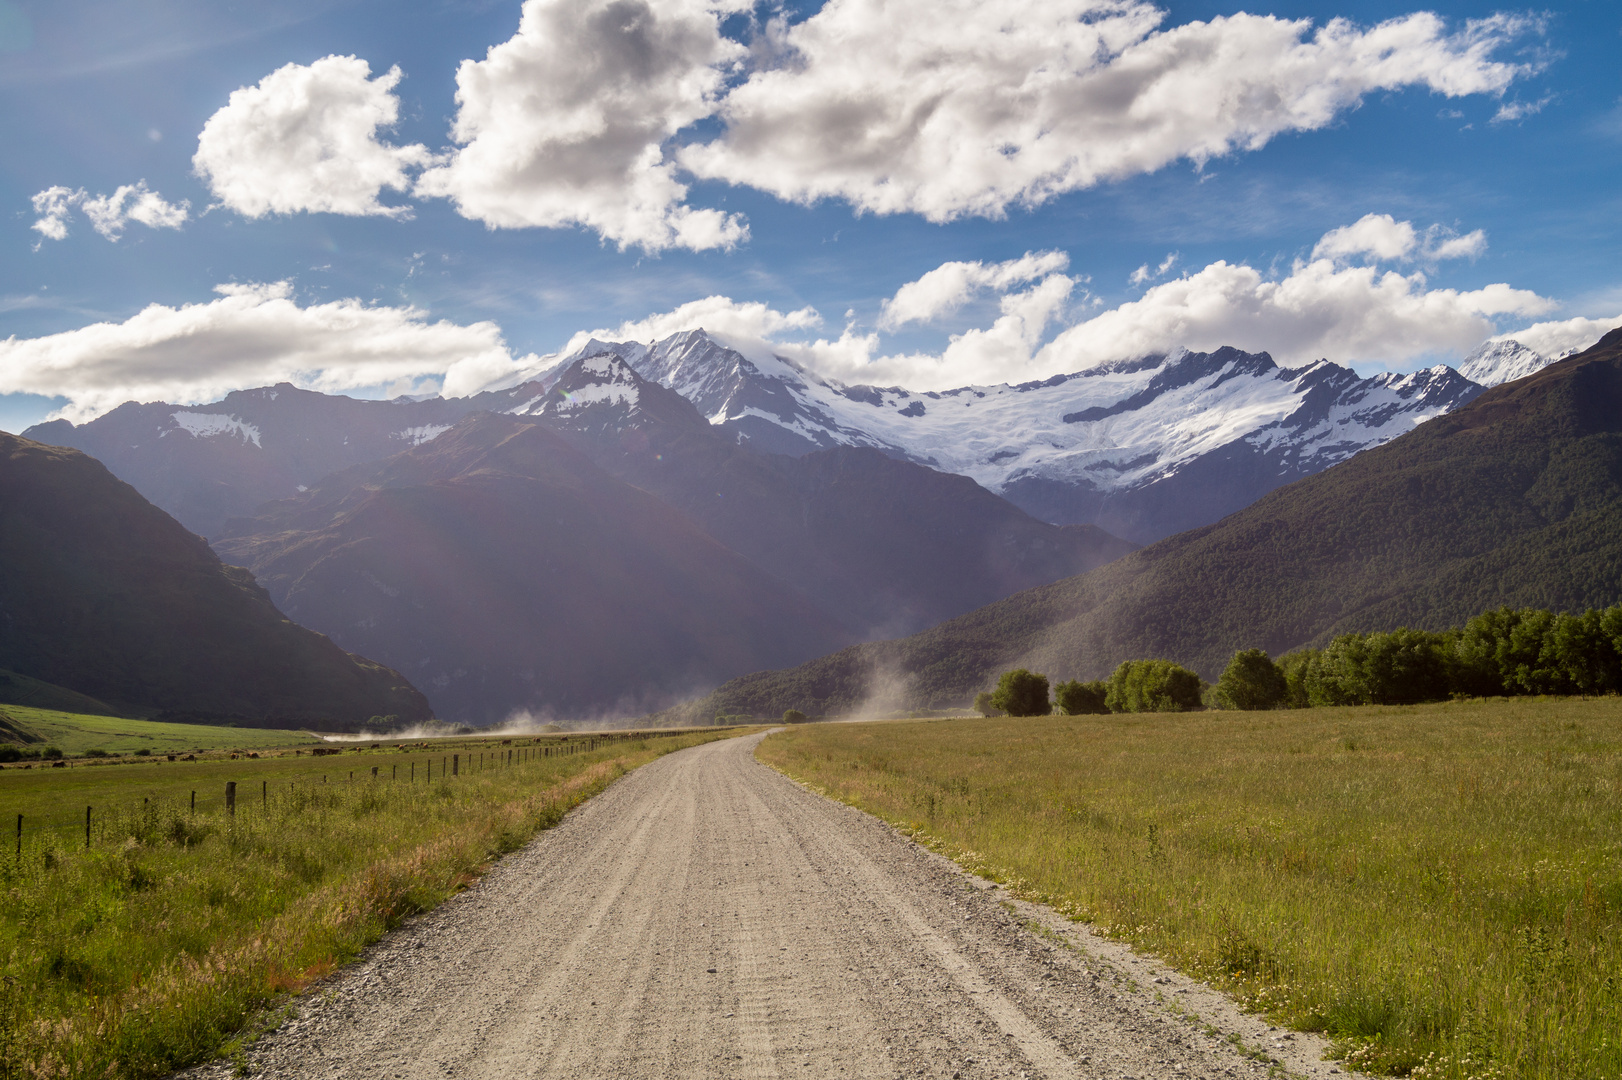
(422, 433)
(205, 425)
(1111, 428)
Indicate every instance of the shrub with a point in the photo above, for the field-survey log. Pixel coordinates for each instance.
(10, 752)
(50, 753)
(793, 716)
(1152, 686)
(95, 751)
(1251, 681)
(983, 705)
(1022, 693)
(1080, 699)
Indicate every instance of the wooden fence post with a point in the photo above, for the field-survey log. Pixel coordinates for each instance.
(87, 828)
(231, 797)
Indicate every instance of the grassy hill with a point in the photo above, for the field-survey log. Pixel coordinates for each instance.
(1516, 498)
(74, 733)
(103, 594)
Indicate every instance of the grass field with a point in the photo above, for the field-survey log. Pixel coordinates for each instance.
(152, 946)
(74, 733)
(1437, 887)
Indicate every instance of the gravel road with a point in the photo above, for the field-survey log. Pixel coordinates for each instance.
(707, 917)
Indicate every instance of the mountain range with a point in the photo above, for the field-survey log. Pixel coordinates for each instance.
(104, 595)
(608, 550)
(1514, 498)
(1141, 449)
(546, 547)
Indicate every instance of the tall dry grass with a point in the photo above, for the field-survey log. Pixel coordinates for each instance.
(1437, 887)
(153, 948)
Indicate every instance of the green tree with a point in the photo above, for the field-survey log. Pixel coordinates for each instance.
(1152, 686)
(793, 716)
(983, 704)
(1022, 693)
(1080, 699)
(1251, 681)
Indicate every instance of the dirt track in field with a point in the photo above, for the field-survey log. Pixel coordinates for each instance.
(706, 917)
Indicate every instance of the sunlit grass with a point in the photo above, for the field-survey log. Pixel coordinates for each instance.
(1438, 887)
(74, 733)
(153, 946)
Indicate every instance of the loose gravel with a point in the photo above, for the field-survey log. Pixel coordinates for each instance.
(708, 917)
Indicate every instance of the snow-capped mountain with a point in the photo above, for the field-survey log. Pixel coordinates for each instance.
(1503, 361)
(1141, 449)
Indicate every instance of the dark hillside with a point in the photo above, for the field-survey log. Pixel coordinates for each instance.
(104, 594)
(885, 546)
(1516, 498)
(502, 570)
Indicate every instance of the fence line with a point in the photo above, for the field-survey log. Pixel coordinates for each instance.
(128, 819)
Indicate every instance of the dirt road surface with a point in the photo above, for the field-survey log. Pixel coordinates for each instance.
(707, 917)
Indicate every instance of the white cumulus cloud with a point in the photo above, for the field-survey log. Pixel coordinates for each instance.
(948, 286)
(952, 107)
(134, 202)
(589, 115)
(1563, 337)
(566, 123)
(251, 335)
(53, 205)
(1384, 238)
(1320, 308)
(108, 214)
(305, 139)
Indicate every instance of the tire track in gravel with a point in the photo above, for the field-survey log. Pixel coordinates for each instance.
(707, 917)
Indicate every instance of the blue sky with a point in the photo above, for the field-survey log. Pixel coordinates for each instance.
(1479, 149)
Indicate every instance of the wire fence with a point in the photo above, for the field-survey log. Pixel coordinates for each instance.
(183, 812)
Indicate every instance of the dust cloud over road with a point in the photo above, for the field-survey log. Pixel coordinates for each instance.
(706, 917)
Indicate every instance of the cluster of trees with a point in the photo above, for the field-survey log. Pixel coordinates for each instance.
(13, 752)
(1502, 653)
(1135, 686)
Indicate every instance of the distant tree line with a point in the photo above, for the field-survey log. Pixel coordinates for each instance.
(1503, 653)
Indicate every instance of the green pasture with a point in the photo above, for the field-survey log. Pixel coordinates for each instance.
(74, 733)
(1437, 887)
(152, 946)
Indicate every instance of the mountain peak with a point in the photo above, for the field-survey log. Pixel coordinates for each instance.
(1502, 361)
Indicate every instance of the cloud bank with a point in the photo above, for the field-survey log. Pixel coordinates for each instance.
(942, 108)
(1323, 307)
(252, 335)
(946, 108)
